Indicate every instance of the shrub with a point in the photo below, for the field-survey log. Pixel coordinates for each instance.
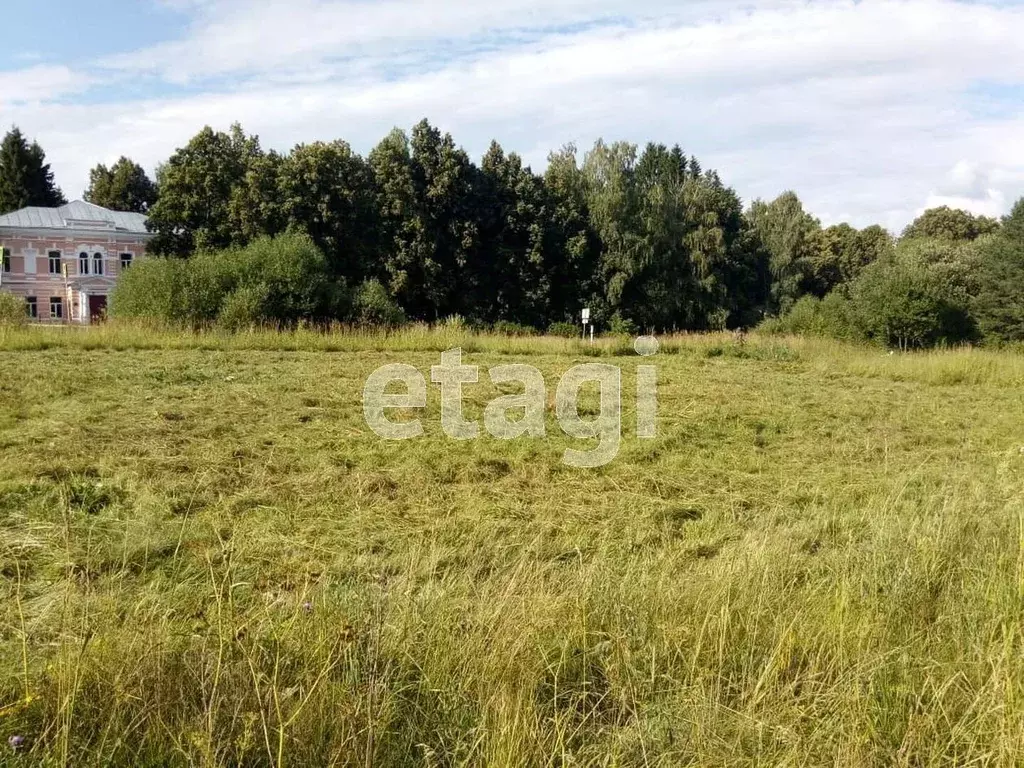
(151, 289)
(277, 280)
(294, 274)
(831, 317)
(916, 296)
(506, 328)
(565, 330)
(243, 308)
(12, 310)
(374, 306)
(900, 304)
(621, 326)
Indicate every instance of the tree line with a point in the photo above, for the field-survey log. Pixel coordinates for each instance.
(645, 237)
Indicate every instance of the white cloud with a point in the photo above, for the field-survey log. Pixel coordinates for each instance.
(860, 107)
(971, 187)
(39, 83)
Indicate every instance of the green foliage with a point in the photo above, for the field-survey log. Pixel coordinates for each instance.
(645, 238)
(916, 296)
(572, 272)
(794, 243)
(900, 305)
(832, 317)
(122, 187)
(25, 176)
(998, 301)
(675, 248)
(12, 310)
(621, 326)
(244, 307)
(840, 253)
(151, 289)
(505, 328)
(278, 280)
(427, 199)
(511, 278)
(950, 224)
(564, 330)
(328, 190)
(374, 307)
(199, 186)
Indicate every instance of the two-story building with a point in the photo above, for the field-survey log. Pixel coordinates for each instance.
(64, 261)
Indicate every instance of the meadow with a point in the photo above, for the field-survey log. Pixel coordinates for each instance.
(207, 558)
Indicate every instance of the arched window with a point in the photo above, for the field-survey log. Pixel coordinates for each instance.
(97, 263)
(83, 263)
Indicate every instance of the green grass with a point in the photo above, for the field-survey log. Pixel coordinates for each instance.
(206, 558)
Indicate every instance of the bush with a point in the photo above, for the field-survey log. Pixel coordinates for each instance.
(917, 296)
(12, 310)
(243, 308)
(621, 326)
(901, 304)
(505, 328)
(373, 306)
(150, 289)
(295, 276)
(832, 317)
(565, 330)
(279, 280)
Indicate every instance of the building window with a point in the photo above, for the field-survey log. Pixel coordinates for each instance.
(7, 260)
(54, 257)
(83, 263)
(126, 261)
(97, 263)
(31, 307)
(56, 307)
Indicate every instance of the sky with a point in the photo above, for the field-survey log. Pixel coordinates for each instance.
(871, 111)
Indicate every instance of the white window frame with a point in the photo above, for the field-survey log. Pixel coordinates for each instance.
(121, 261)
(6, 257)
(32, 307)
(83, 261)
(57, 301)
(29, 264)
(49, 261)
(97, 263)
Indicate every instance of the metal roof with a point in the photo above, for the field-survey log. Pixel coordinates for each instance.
(76, 215)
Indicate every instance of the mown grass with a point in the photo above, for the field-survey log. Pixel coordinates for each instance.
(207, 558)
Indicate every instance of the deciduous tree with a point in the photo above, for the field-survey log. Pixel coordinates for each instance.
(122, 187)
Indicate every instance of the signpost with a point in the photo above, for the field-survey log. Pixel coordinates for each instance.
(586, 320)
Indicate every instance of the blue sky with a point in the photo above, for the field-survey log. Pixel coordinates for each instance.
(62, 34)
(870, 110)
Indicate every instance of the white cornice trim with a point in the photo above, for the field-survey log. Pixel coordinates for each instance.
(33, 233)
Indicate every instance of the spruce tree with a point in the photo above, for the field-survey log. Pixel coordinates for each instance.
(25, 176)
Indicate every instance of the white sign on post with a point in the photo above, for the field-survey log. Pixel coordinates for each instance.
(586, 315)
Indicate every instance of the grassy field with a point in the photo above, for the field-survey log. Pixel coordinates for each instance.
(207, 558)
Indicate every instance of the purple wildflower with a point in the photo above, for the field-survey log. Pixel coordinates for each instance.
(16, 742)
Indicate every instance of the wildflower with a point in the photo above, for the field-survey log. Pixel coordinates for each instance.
(307, 607)
(16, 742)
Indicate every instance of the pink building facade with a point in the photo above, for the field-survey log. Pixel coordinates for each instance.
(65, 261)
